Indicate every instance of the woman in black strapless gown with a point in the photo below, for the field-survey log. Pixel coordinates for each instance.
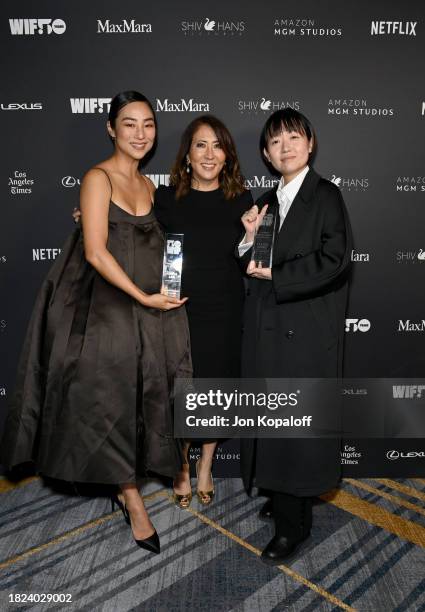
(93, 400)
(205, 202)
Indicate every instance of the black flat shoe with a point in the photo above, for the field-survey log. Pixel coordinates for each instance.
(151, 543)
(265, 513)
(281, 549)
(115, 501)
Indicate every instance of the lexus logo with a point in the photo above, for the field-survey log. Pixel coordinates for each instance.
(393, 454)
(69, 181)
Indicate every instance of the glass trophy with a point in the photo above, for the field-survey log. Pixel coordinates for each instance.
(262, 250)
(172, 265)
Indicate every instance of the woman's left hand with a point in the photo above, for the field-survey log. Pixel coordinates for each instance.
(258, 271)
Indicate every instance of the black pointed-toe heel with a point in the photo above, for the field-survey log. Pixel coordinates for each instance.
(115, 501)
(151, 543)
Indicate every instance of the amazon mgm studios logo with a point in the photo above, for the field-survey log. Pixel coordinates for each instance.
(265, 105)
(211, 26)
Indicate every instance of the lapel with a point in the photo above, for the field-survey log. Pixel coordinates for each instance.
(294, 220)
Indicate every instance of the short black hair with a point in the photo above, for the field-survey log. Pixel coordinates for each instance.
(290, 120)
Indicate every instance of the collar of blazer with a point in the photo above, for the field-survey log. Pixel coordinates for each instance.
(294, 220)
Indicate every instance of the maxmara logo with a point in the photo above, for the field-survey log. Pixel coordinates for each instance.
(212, 27)
(411, 326)
(359, 257)
(395, 454)
(408, 391)
(304, 27)
(266, 105)
(261, 182)
(183, 106)
(21, 106)
(410, 183)
(45, 254)
(90, 105)
(357, 107)
(350, 183)
(397, 28)
(3, 392)
(29, 27)
(355, 325)
(124, 27)
(411, 256)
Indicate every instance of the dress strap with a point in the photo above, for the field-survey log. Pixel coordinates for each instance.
(107, 176)
(148, 186)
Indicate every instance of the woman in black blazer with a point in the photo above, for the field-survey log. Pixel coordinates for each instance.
(294, 321)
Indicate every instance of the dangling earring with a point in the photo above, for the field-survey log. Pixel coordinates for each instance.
(187, 166)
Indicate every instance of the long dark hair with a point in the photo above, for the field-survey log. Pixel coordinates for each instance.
(230, 178)
(290, 120)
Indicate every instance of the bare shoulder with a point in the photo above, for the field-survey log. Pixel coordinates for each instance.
(151, 184)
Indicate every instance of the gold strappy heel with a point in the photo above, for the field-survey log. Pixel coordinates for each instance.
(204, 497)
(182, 501)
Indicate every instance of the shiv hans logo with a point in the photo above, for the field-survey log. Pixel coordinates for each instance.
(212, 27)
(410, 256)
(394, 454)
(125, 27)
(355, 325)
(402, 28)
(408, 391)
(266, 105)
(184, 106)
(29, 27)
(90, 105)
(350, 183)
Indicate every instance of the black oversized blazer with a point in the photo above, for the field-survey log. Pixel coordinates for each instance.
(294, 327)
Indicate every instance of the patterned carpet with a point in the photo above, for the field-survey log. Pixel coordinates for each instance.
(366, 552)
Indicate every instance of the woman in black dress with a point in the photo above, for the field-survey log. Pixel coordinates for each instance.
(93, 397)
(205, 201)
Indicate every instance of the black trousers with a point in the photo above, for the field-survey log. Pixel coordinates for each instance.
(292, 515)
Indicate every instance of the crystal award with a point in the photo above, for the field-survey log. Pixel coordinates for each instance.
(262, 250)
(172, 265)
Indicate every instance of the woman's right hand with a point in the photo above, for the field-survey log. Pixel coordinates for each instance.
(252, 220)
(162, 302)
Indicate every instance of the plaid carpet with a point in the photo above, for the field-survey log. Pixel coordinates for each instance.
(366, 552)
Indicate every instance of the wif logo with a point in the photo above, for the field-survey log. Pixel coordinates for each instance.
(90, 105)
(355, 325)
(30, 27)
(408, 391)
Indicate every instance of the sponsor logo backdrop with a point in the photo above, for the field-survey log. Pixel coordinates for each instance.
(353, 70)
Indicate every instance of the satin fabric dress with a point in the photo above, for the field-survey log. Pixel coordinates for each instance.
(94, 392)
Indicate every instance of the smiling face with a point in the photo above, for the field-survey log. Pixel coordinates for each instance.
(134, 130)
(207, 159)
(288, 152)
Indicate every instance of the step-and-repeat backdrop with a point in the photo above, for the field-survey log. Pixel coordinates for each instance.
(356, 70)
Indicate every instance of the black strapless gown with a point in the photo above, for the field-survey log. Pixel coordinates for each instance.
(94, 393)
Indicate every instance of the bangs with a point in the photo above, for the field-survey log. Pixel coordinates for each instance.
(289, 123)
